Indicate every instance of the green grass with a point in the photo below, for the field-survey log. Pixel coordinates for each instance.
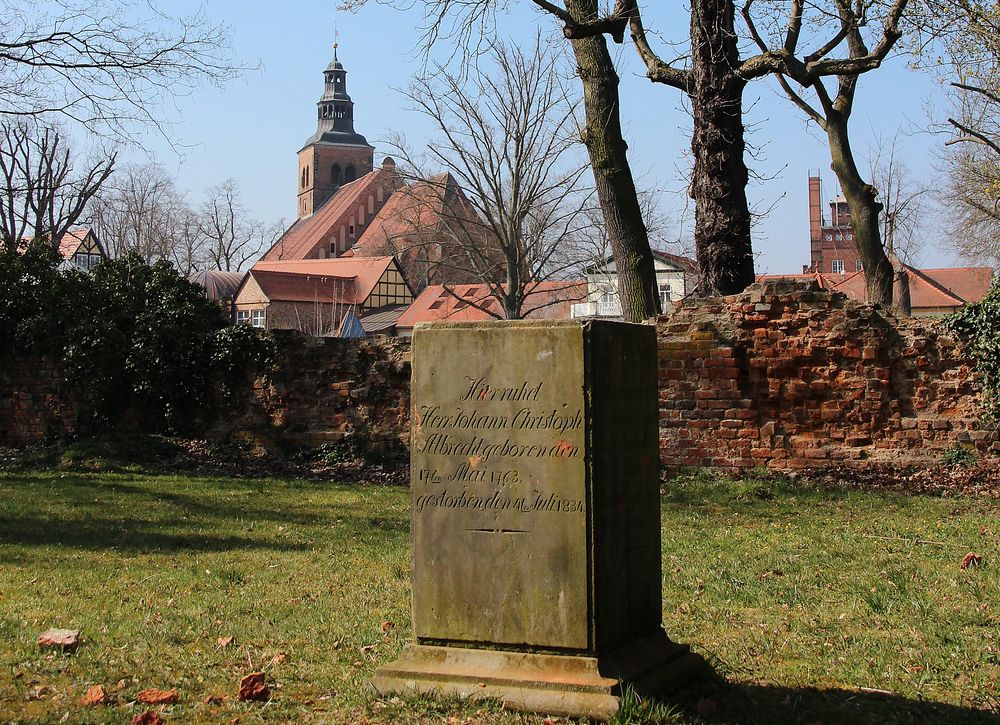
(785, 589)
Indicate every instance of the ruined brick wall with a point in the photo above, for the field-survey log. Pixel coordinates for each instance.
(321, 391)
(325, 389)
(793, 377)
(33, 406)
(778, 376)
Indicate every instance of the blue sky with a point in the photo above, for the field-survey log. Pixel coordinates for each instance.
(252, 129)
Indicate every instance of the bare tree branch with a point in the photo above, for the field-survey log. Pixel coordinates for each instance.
(108, 66)
(42, 195)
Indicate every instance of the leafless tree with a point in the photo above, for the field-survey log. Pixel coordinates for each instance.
(188, 244)
(232, 237)
(106, 64)
(469, 27)
(902, 222)
(512, 196)
(43, 193)
(138, 212)
(966, 35)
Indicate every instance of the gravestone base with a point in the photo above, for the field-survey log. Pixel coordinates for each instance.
(555, 684)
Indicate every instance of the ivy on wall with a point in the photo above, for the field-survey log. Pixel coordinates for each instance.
(978, 325)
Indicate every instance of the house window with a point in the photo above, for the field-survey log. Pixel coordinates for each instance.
(664, 296)
(838, 266)
(257, 318)
(242, 317)
(350, 231)
(86, 261)
(607, 305)
(858, 266)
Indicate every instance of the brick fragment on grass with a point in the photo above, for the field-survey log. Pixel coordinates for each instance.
(94, 696)
(971, 560)
(65, 639)
(157, 697)
(147, 718)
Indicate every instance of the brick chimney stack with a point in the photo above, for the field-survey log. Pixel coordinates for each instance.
(815, 220)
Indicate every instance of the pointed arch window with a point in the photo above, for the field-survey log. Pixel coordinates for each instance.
(350, 174)
(335, 174)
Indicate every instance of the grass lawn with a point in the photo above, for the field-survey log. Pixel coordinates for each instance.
(807, 602)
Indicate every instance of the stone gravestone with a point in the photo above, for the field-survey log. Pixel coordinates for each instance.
(536, 517)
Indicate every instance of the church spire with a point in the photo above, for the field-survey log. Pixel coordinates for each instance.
(335, 109)
(336, 154)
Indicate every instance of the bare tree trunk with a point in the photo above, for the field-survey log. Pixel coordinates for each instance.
(862, 200)
(718, 186)
(612, 175)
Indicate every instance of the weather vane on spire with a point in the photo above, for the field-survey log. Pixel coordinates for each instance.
(336, 38)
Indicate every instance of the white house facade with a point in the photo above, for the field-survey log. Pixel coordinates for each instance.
(676, 277)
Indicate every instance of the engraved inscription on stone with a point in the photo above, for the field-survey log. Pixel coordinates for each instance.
(498, 486)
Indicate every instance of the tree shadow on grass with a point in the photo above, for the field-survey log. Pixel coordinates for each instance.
(732, 702)
(126, 534)
(70, 511)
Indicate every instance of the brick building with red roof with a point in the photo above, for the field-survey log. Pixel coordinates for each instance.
(316, 296)
(353, 214)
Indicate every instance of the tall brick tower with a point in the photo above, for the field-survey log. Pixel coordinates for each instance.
(831, 245)
(335, 154)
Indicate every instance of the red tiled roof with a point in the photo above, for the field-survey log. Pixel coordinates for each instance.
(304, 287)
(929, 288)
(457, 303)
(685, 263)
(301, 239)
(421, 207)
(969, 283)
(309, 275)
(71, 241)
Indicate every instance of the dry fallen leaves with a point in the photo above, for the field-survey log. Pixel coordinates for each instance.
(65, 639)
(387, 625)
(278, 659)
(94, 695)
(157, 697)
(225, 641)
(39, 692)
(252, 687)
(147, 718)
(971, 560)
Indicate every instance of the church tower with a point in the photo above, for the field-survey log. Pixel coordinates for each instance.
(335, 154)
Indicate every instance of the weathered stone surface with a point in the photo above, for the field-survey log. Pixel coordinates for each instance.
(498, 482)
(535, 510)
